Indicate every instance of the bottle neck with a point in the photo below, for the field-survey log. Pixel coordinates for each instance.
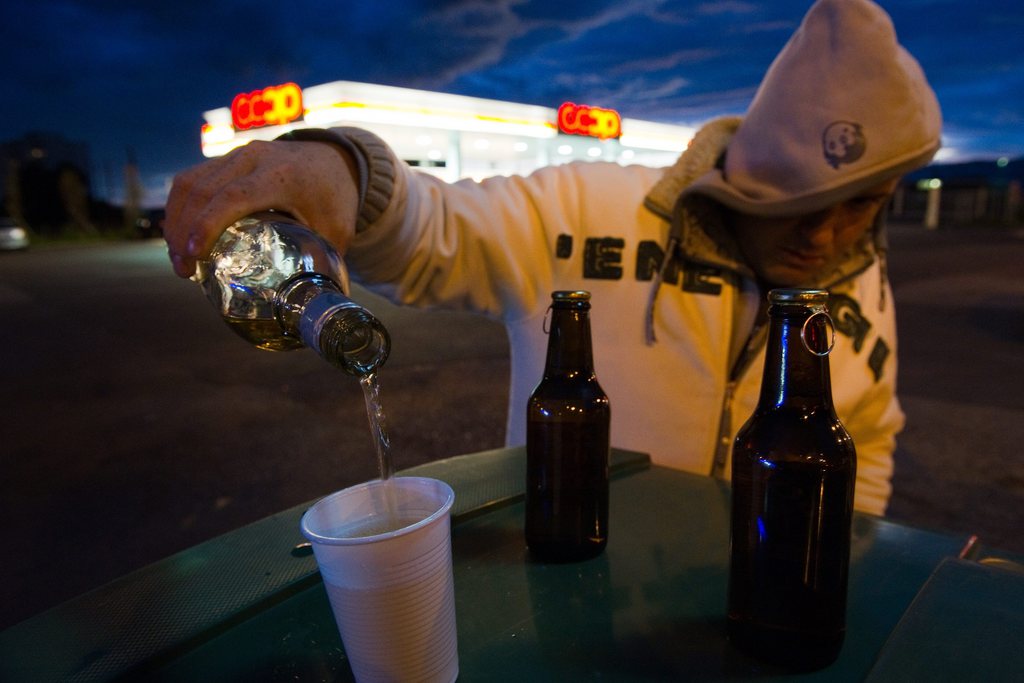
(311, 307)
(569, 344)
(293, 297)
(796, 368)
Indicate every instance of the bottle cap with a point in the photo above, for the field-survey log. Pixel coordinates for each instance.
(577, 295)
(817, 339)
(809, 297)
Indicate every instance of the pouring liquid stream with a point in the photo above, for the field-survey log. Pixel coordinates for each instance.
(379, 432)
(378, 424)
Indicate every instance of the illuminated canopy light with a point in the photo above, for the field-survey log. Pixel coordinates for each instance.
(358, 112)
(212, 134)
(219, 140)
(650, 135)
(346, 102)
(660, 144)
(219, 149)
(364, 103)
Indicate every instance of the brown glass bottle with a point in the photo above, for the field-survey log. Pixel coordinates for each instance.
(793, 474)
(567, 447)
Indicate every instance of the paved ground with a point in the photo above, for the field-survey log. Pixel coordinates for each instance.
(960, 313)
(135, 425)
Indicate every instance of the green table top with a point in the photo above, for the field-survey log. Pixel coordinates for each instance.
(248, 606)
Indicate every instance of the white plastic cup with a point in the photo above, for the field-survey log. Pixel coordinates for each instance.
(384, 552)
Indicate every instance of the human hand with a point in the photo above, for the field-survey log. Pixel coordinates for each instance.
(315, 182)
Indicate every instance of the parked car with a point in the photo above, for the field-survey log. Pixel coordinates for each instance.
(12, 235)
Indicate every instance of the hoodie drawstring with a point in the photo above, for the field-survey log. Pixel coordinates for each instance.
(659, 276)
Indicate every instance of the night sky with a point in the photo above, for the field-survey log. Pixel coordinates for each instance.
(121, 75)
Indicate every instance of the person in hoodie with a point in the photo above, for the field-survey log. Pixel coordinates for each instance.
(678, 260)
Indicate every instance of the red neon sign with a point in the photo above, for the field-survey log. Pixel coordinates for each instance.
(271, 106)
(580, 119)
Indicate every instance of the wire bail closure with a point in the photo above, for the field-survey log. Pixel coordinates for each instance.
(831, 337)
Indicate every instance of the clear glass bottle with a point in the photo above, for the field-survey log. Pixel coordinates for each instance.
(280, 286)
(567, 442)
(793, 472)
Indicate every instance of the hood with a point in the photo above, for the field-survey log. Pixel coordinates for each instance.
(698, 232)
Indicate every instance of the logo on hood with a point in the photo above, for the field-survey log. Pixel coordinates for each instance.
(843, 143)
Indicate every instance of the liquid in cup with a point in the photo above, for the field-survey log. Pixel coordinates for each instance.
(384, 552)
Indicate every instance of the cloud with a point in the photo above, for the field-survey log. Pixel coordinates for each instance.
(726, 7)
(488, 32)
(646, 93)
(477, 36)
(114, 74)
(666, 62)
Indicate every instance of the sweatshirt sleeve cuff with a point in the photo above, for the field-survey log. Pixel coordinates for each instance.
(374, 163)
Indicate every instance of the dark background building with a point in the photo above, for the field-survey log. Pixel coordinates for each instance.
(46, 185)
(970, 193)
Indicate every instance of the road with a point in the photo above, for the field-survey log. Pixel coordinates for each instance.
(135, 424)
